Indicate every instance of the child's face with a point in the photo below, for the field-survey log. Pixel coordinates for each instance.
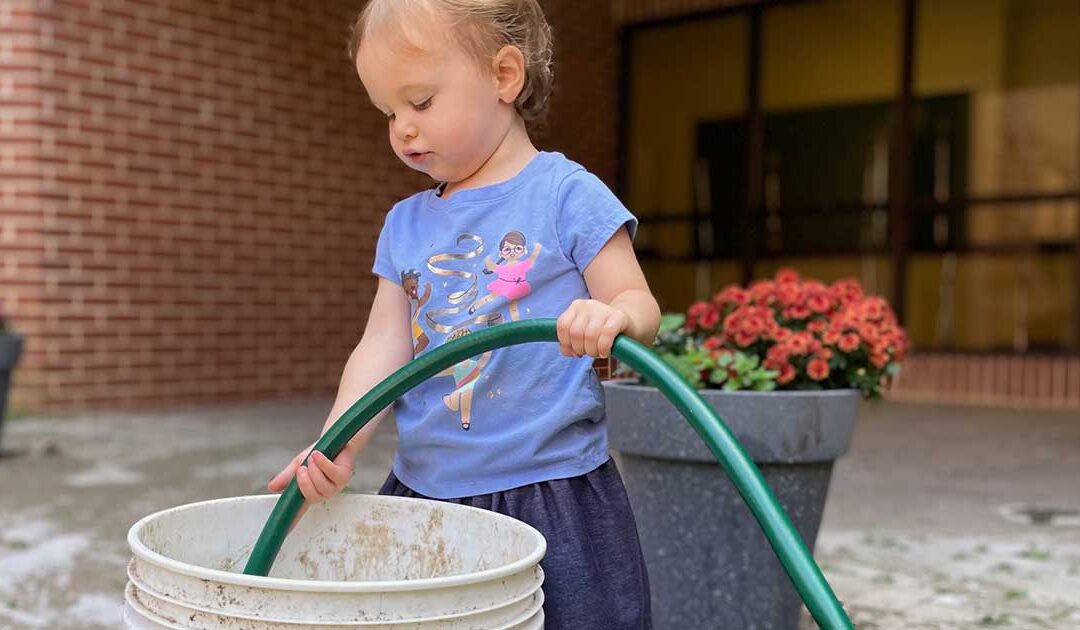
(444, 112)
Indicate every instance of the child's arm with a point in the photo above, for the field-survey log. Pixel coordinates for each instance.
(621, 303)
(385, 346)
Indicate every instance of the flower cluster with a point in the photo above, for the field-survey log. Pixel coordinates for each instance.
(787, 333)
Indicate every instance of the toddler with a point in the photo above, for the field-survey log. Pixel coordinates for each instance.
(507, 233)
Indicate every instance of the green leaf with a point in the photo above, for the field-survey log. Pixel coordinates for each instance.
(671, 321)
(684, 367)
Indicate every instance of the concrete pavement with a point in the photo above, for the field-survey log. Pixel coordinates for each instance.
(916, 532)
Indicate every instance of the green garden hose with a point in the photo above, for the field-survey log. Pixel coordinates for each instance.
(796, 560)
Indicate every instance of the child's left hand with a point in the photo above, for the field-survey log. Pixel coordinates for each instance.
(590, 327)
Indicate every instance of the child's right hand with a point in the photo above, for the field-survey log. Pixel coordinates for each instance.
(320, 479)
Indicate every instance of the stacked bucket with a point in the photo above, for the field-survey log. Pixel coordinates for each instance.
(360, 562)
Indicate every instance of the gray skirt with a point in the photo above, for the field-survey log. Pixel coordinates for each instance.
(595, 576)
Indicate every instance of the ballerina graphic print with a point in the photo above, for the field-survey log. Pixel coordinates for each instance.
(410, 281)
(456, 319)
(510, 271)
(466, 373)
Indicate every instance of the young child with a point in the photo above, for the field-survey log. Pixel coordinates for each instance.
(458, 80)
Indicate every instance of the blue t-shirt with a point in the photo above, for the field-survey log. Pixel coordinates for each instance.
(510, 251)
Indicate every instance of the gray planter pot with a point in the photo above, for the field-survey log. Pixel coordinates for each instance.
(10, 350)
(710, 565)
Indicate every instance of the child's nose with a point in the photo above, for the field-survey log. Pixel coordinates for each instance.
(404, 129)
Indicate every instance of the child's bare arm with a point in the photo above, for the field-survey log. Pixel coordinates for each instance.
(621, 303)
(385, 346)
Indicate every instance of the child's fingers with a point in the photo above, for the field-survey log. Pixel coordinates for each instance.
(282, 479)
(307, 488)
(339, 472)
(562, 330)
(324, 486)
(592, 336)
(608, 332)
(577, 335)
(276, 484)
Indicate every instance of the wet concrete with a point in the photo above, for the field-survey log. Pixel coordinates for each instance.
(914, 534)
(68, 501)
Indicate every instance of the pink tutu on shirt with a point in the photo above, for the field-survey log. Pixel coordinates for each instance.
(511, 283)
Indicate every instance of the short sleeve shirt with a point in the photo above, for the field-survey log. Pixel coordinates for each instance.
(505, 252)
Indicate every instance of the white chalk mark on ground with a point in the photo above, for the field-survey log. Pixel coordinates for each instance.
(103, 474)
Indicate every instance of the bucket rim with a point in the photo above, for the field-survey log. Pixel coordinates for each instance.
(332, 586)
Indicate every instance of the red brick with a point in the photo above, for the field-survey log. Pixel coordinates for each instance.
(172, 215)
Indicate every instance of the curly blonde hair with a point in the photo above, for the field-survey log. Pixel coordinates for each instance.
(482, 28)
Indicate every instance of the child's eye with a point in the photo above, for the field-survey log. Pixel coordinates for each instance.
(422, 105)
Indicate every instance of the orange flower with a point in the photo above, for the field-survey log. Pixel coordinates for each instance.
(744, 339)
(819, 302)
(799, 343)
(846, 291)
(787, 374)
(754, 325)
(879, 360)
(710, 319)
(849, 343)
(714, 342)
(763, 292)
(694, 313)
(797, 312)
(777, 354)
(790, 295)
(731, 295)
(875, 308)
(787, 274)
(818, 369)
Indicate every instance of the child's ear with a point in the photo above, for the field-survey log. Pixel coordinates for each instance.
(508, 68)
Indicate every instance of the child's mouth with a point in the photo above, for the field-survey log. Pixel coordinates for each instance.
(418, 156)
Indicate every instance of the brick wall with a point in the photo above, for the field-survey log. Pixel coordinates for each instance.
(191, 192)
(21, 238)
(1029, 381)
(584, 121)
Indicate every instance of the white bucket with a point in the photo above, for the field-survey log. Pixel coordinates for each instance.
(359, 561)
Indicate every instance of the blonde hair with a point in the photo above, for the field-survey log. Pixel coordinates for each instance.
(483, 27)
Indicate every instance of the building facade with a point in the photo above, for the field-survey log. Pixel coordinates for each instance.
(190, 192)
